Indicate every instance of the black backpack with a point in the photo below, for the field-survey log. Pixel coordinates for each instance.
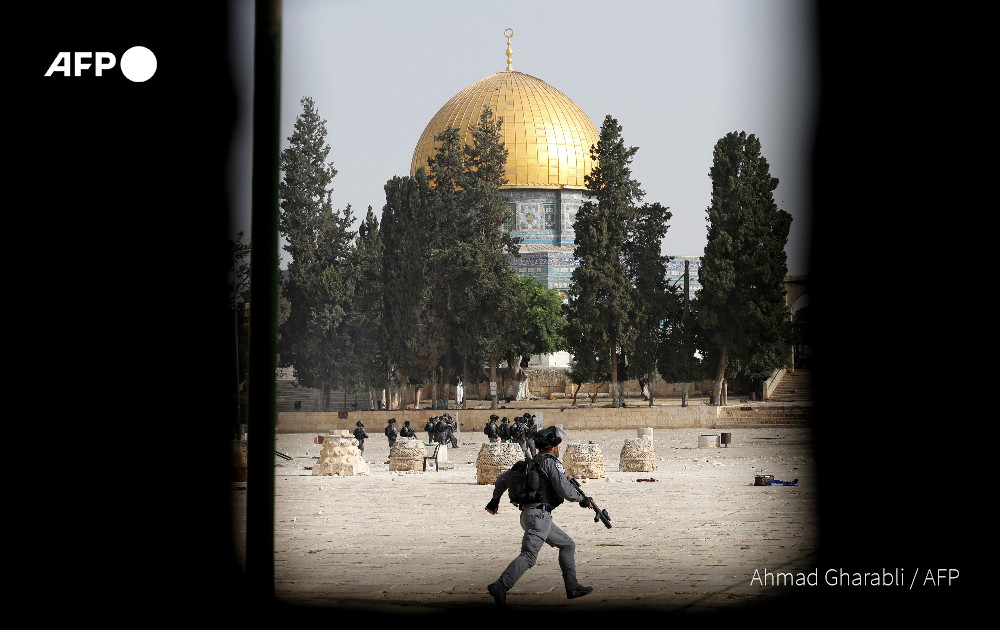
(525, 483)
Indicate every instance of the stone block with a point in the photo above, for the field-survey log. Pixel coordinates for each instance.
(340, 456)
(584, 461)
(494, 459)
(637, 455)
(407, 454)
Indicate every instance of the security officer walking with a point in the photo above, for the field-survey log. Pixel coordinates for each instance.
(429, 427)
(360, 435)
(491, 430)
(536, 520)
(530, 431)
(391, 432)
(450, 431)
(518, 435)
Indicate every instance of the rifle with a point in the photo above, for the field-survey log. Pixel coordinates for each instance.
(602, 515)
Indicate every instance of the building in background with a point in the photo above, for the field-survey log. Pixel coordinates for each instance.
(548, 139)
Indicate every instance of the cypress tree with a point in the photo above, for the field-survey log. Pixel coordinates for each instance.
(318, 239)
(741, 306)
(601, 307)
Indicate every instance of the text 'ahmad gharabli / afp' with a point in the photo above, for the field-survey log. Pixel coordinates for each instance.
(897, 577)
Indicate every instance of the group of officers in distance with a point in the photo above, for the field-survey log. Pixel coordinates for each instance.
(441, 429)
(549, 489)
(522, 432)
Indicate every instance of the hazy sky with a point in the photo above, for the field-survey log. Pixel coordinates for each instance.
(678, 75)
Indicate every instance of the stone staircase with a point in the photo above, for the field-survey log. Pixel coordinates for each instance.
(789, 405)
(795, 387)
(762, 415)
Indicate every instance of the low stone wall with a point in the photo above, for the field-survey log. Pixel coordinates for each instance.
(543, 383)
(668, 417)
(772, 383)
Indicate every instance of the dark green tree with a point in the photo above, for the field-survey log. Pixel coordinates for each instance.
(741, 306)
(601, 307)
(365, 318)
(318, 240)
(404, 239)
(654, 299)
(484, 176)
(678, 360)
(488, 305)
(447, 215)
(543, 328)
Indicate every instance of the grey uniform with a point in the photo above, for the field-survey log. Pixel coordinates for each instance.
(518, 435)
(391, 433)
(530, 430)
(536, 521)
(449, 434)
(360, 435)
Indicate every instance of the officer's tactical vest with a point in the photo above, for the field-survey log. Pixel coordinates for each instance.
(526, 483)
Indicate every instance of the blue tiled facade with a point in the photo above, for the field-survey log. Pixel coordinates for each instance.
(543, 219)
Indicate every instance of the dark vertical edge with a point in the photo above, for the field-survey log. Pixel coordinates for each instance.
(263, 307)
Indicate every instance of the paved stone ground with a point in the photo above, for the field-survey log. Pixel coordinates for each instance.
(403, 542)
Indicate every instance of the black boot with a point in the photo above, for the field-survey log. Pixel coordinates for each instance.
(499, 593)
(578, 591)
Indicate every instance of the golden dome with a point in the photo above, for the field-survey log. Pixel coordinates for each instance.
(548, 137)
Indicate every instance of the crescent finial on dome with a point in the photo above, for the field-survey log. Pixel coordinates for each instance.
(508, 34)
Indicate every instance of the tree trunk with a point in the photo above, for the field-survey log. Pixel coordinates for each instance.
(717, 388)
(446, 375)
(522, 386)
(649, 384)
(614, 378)
(402, 390)
(465, 380)
(388, 390)
(493, 378)
(684, 395)
(575, 392)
